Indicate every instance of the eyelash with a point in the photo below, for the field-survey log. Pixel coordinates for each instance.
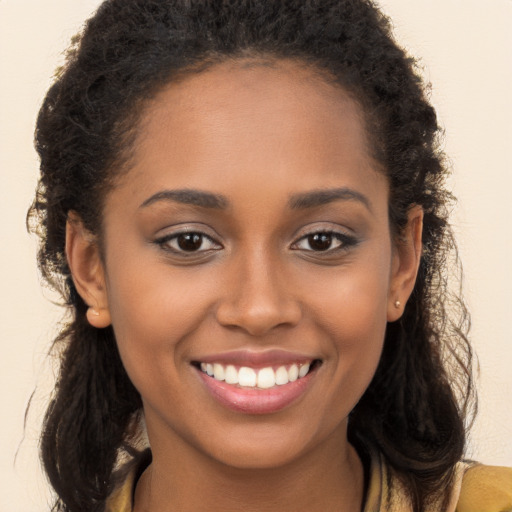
(165, 242)
(345, 242)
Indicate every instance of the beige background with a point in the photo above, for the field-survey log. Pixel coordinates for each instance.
(466, 49)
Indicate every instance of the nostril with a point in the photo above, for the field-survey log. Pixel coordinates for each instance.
(258, 317)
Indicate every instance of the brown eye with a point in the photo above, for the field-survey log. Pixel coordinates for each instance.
(189, 241)
(320, 241)
(325, 241)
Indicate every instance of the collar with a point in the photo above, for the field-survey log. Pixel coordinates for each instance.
(385, 491)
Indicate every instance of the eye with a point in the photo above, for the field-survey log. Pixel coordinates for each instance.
(324, 241)
(188, 242)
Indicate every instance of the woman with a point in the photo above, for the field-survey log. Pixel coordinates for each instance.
(243, 204)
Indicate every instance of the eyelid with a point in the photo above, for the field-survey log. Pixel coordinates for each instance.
(163, 241)
(347, 240)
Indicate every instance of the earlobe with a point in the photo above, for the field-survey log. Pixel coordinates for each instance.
(406, 261)
(99, 318)
(84, 261)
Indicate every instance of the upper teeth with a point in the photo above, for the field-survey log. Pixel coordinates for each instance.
(263, 378)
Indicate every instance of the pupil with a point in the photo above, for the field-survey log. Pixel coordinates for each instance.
(190, 241)
(320, 241)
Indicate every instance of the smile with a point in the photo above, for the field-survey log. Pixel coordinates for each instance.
(257, 384)
(262, 378)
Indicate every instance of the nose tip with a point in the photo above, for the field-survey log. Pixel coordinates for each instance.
(257, 319)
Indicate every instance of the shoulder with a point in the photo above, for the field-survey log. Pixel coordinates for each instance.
(475, 488)
(121, 498)
(486, 489)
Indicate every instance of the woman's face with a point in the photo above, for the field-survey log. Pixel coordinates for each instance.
(250, 238)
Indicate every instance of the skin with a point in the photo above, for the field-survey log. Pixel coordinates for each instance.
(259, 134)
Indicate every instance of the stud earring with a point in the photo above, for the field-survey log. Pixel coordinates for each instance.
(397, 304)
(98, 318)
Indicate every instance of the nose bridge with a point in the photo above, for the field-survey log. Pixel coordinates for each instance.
(259, 283)
(259, 297)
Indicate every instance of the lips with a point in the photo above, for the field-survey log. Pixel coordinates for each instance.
(257, 383)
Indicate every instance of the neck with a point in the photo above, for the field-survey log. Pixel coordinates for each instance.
(330, 477)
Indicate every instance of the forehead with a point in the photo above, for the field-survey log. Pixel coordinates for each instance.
(251, 120)
(254, 90)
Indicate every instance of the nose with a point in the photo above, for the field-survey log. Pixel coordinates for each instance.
(259, 298)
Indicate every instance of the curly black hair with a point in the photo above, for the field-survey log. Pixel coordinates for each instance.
(415, 409)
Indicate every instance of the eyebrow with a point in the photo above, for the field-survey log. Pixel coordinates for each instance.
(320, 197)
(189, 196)
(300, 201)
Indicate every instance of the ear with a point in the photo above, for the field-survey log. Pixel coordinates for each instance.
(84, 261)
(405, 263)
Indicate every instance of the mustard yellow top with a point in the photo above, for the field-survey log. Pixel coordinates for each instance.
(476, 488)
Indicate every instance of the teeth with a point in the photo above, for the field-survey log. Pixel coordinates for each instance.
(247, 377)
(293, 373)
(303, 370)
(264, 378)
(282, 376)
(218, 371)
(231, 375)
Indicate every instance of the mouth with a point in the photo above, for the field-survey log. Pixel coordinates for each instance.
(257, 378)
(257, 387)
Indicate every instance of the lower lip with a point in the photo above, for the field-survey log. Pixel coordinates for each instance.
(255, 400)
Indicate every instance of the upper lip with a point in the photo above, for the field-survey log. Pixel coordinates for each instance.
(257, 359)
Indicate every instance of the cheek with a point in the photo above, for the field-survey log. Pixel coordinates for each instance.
(154, 296)
(357, 327)
(353, 321)
(353, 300)
(154, 311)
